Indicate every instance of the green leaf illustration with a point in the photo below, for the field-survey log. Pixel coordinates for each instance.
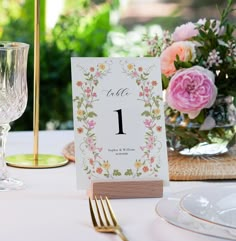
(146, 113)
(129, 172)
(92, 114)
(116, 172)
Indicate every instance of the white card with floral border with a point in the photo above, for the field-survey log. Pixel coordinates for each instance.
(119, 122)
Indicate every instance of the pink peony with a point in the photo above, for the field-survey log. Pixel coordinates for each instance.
(185, 32)
(191, 90)
(184, 49)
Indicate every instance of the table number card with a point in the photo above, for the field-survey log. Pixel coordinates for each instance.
(118, 119)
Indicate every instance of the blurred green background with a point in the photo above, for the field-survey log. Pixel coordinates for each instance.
(87, 29)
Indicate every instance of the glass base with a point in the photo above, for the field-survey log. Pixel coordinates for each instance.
(44, 161)
(11, 184)
(205, 149)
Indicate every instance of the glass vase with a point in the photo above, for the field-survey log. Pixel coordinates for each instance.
(213, 132)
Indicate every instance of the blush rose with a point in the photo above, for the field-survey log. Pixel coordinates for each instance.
(190, 90)
(184, 49)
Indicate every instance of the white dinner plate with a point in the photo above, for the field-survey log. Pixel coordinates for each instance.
(169, 209)
(216, 205)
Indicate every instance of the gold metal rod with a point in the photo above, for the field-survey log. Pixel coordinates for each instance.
(36, 160)
(36, 78)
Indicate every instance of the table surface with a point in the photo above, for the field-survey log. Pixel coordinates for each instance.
(51, 208)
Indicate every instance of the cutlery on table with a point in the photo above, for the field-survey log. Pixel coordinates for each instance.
(107, 221)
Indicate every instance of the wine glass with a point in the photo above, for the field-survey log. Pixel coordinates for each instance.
(13, 99)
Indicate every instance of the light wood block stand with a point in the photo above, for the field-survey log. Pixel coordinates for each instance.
(126, 189)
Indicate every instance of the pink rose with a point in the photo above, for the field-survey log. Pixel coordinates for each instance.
(191, 90)
(184, 49)
(185, 32)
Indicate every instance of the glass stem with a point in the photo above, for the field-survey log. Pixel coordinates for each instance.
(4, 129)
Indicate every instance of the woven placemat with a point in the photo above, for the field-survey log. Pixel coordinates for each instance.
(188, 168)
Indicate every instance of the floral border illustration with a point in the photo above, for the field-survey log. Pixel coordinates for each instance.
(149, 163)
(93, 163)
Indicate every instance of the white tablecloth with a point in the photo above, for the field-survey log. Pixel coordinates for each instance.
(51, 208)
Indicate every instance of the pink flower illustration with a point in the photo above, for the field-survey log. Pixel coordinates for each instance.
(145, 169)
(142, 148)
(87, 90)
(91, 124)
(152, 159)
(90, 140)
(79, 83)
(134, 74)
(159, 128)
(150, 146)
(149, 123)
(98, 74)
(190, 90)
(92, 147)
(151, 139)
(99, 170)
(80, 130)
(91, 161)
(99, 149)
(154, 83)
(146, 89)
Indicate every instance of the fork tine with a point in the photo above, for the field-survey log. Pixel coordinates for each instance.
(92, 213)
(104, 211)
(106, 228)
(98, 211)
(113, 217)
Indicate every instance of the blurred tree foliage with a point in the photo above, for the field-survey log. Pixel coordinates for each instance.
(83, 30)
(80, 32)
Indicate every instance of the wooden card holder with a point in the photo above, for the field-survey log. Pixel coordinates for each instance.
(126, 189)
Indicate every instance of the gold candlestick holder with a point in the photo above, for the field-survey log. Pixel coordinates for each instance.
(36, 160)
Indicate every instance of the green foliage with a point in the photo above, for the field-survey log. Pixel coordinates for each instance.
(10, 9)
(83, 32)
(71, 4)
(76, 34)
(224, 44)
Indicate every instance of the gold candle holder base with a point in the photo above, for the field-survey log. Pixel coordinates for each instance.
(28, 161)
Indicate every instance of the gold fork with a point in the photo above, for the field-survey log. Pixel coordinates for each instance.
(110, 225)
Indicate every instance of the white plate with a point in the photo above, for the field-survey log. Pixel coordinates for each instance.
(216, 205)
(170, 211)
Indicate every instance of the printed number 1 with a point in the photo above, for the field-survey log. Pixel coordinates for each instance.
(120, 123)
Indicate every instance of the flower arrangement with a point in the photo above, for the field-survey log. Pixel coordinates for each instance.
(198, 65)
